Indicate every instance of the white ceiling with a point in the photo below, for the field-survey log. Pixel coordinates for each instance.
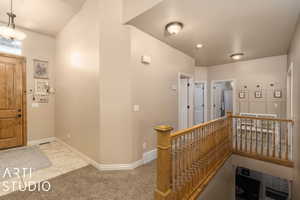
(259, 28)
(44, 16)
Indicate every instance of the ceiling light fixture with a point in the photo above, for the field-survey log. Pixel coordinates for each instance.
(199, 46)
(9, 31)
(237, 56)
(174, 28)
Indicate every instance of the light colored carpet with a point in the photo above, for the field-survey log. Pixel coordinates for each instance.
(22, 158)
(88, 183)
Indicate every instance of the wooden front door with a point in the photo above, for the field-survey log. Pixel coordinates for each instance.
(12, 101)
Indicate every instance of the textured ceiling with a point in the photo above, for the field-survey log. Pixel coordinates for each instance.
(44, 16)
(259, 28)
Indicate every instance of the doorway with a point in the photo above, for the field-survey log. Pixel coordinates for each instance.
(12, 101)
(222, 98)
(185, 101)
(200, 102)
(290, 91)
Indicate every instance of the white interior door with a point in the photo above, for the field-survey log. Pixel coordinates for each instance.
(184, 101)
(199, 103)
(228, 98)
(217, 103)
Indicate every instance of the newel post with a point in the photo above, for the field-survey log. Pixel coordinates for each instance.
(164, 166)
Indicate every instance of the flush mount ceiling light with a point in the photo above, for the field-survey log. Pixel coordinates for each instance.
(237, 56)
(199, 46)
(174, 28)
(9, 31)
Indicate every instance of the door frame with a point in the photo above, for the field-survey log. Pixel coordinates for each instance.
(212, 95)
(191, 98)
(24, 96)
(205, 99)
(290, 90)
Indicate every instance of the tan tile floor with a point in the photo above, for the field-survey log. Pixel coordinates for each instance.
(63, 161)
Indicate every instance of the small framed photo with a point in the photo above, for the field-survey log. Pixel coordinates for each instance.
(40, 69)
(277, 94)
(242, 95)
(258, 94)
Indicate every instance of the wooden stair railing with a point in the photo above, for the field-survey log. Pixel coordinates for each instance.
(267, 139)
(188, 159)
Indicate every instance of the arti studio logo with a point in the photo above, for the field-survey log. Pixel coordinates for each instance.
(22, 174)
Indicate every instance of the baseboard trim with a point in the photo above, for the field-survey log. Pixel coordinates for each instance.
(41, 141)
(147, 157)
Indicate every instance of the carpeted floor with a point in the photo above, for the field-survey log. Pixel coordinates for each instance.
(90, 184)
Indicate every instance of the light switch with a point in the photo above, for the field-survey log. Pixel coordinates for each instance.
(136, 108)
(146, 60)
(35, 105)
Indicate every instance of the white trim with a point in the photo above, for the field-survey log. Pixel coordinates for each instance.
(41, 141)
(147, 157)
(191, 98)
(119, 167)
(212, 99)
(205, 99)
(291, 90)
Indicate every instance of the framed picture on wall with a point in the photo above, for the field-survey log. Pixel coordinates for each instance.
(258, 94)
(242, 95)
(40, 69)
(277, 94)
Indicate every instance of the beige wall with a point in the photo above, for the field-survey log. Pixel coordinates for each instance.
(41, 119)
(152, 86)
(260, 71)
(95, 97)
(116, 135)
(222, 186)
(77, 81)
(294, 56)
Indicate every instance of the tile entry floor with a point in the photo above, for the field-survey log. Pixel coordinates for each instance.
(63, 161)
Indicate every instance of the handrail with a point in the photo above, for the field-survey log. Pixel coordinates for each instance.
(263, 118)
(184, 131)
(266, 139)
(188, 159)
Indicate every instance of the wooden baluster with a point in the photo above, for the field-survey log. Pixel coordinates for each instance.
(236, 134)
(246, 136)
(175, 168)
(251, 135)
(268, 138)
(287, 141)
(256, 138)
(262, 136)
(274, 137)
(241, 135)
(280, 140)
(164, 167)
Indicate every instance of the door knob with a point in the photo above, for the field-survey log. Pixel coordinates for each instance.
(19, 116)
